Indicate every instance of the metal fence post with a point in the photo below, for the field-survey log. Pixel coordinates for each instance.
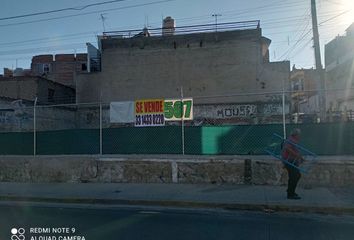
(284, 119)
(182, 110)
(34, 128)
(101, 128)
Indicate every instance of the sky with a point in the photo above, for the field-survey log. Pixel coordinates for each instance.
(286, 22)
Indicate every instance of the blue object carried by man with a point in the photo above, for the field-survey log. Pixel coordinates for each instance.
(291, 153)
(296, 158)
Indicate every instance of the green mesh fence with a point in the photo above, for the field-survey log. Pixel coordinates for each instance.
(16, 143)
(148, 140)
(323, 139)
(243, 139)
(327, 138)
(73, 141)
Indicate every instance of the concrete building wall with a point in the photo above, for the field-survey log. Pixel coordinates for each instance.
(60, 68)
(42, 64)
(18, 95)
(8, 72)
(340, 82)
(339, 59)
(58, 118)
(13, 116)
(304, 90)
(204, 64)
(28, 88)
(19, 88)
(246, 113)
(54, 93)
(18, 117)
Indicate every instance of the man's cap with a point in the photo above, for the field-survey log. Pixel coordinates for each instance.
(295, 132)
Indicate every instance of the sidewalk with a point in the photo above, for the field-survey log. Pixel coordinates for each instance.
(245, 197)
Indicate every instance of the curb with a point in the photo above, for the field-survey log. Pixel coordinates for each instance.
(189, 204)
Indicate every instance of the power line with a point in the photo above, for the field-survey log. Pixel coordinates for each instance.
(79, 8)
(46, 39)
(301, 37)
(302, 48)
(87, 13)
(43, 49)
(345, 12)
(97, 31)
(297, 42)
(178, 19)
(130, 6)
(334, 2)
(79, 45)
(73, 36)
(274, 6)
(280, 5)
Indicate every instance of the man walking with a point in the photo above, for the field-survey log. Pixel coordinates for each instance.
(291, 154)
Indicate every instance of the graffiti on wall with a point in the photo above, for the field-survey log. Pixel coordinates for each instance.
(228, 111)
(13, 114)
(273, 109)
(236, 111)
(6, 116)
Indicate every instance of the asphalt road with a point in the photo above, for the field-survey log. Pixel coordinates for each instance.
(118, 223)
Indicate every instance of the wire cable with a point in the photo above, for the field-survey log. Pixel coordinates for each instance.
(79, 8)
(87, 13)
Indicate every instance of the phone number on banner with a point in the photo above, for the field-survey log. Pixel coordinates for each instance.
(145, 120)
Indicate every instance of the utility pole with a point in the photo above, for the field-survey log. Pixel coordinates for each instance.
(216, 15)
(319, 68)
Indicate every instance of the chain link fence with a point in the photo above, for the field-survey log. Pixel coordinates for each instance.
(68, 129)
(126, 138)
(16, 128)
(221, 125)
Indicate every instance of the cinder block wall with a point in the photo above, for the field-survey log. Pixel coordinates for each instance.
(204, 64)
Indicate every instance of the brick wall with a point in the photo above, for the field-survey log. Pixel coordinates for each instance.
(61, 68)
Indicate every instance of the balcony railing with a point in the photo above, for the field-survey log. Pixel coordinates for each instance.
(205, 28)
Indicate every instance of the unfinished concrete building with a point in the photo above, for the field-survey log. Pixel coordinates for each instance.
(223, 64)
(60, 68)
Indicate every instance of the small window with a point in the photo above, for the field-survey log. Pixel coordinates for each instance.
(46, 68)
(301, 84)
(84, 67)
(51, 95)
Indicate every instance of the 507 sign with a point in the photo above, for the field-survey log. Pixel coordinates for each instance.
(175, 110)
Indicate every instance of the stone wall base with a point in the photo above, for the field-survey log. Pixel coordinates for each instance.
(144, 169)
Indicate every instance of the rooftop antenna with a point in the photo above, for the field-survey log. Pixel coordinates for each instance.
(103, 19)
(216, 15)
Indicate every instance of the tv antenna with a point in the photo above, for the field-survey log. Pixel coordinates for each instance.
(103, 19)
(216, 15)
